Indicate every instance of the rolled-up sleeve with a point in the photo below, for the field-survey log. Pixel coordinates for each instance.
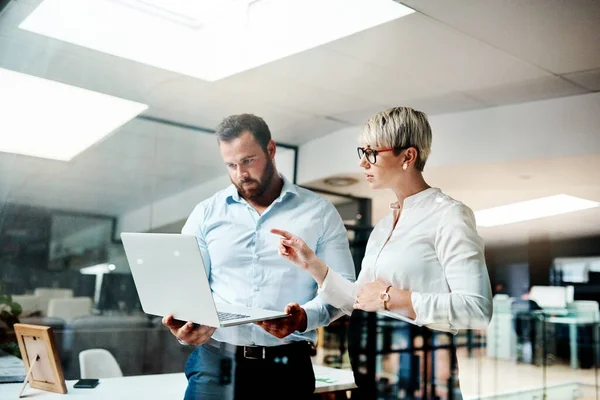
(333, 249)
(338, 291)
(460, 251)
(341, 292)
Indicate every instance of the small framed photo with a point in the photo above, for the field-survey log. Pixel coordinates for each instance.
(40, 357)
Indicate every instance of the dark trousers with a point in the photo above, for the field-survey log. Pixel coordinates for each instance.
(222, 373)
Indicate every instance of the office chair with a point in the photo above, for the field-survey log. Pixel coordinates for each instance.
(98, 363)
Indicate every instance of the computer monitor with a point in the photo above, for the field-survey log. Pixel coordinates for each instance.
(118, 293)
(549, 297)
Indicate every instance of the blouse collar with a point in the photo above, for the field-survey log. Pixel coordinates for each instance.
(416, 198)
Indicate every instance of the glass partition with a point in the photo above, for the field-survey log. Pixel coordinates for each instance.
(62, 264)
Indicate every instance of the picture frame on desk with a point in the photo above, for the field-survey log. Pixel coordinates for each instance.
(39, 354)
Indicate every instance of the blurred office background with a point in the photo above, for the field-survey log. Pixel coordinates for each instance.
(104, 131)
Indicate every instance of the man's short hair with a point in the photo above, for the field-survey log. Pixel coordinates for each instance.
(234, 126)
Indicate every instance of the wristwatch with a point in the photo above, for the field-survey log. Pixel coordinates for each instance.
(385, 297)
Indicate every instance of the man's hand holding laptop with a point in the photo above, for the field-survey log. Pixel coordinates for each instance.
(188, 332)
(285, 326)
(194, 334)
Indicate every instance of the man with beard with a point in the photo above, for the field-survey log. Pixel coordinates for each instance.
(269, 359)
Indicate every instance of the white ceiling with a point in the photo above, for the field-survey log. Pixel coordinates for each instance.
(140, 162)
(447, 57)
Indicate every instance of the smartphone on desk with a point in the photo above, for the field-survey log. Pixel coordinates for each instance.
(86, 383)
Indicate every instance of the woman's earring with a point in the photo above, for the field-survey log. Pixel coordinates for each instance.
(404, 166)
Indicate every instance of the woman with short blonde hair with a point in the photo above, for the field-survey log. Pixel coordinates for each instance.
(424, 262)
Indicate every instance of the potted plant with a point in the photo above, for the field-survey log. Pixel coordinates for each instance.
(9, 315)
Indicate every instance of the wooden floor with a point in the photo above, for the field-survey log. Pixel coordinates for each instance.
(485, 376)
(494, 376)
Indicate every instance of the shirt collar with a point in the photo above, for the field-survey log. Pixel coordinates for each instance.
(288, 187)
(416, 198)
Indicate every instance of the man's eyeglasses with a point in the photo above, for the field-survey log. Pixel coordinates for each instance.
(370, 154)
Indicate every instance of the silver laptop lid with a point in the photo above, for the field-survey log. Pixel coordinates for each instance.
(170, 276)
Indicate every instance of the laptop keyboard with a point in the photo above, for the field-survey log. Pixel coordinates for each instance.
(223, 316)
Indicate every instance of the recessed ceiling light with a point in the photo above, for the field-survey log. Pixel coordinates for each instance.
(207, 39)
(48, 119)
(532, 209)
(194, 14)
(340, 181)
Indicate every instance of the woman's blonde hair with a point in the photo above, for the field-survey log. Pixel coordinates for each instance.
(400, 128)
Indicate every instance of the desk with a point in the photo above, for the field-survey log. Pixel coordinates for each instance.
(163, 386)
(11, 368)
(332, 379)
(573, 322)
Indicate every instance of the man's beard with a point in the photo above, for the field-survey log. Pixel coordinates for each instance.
(261, 185)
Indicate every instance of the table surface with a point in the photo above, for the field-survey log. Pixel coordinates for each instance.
(572, 320)
(11, 368)
(163, 386)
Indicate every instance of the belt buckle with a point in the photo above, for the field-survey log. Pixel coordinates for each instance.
(254, 356)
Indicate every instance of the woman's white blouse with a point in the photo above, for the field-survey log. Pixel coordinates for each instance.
(434, 252)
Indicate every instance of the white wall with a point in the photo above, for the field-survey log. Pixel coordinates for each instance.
(559, 127)
(170, 209)
(284, 159)
(179, 206)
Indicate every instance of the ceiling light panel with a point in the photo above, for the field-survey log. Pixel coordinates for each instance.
(207, 39)
(532, 209)
(48, 119)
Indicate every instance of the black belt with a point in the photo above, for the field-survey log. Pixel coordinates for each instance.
(264, 352)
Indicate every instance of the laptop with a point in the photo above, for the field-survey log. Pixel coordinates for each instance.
(170, 278)
(551, 299)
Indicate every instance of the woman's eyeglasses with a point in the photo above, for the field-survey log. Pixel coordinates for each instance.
(370, 154)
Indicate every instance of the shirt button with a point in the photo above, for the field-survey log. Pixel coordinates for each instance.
(256, 257)
(256, 288)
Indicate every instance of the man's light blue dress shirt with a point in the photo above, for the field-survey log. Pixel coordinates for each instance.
(244, 266)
